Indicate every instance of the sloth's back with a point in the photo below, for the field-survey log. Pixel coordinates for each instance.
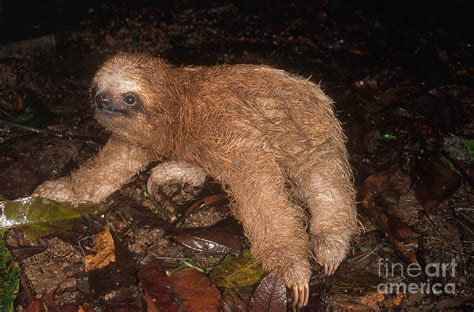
(269, 108)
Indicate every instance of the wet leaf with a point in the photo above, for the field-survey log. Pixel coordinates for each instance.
(435, 182)
(236, 299)
(237, 271)
(400, 235)
(116, 275)
(105, 251)
(270, 295)
(354, 282)
(158, 290)
(222, 238)
(364, 249)
(209, 200)
(389, 137)
(28, 210)
(356, 289)
(9, 279)
(27, 251)
(470, 147)
(196, 291)
(46, 304)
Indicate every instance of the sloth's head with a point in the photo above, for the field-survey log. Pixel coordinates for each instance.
(130, 91)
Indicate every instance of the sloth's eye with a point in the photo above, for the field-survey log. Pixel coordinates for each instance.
(130, 99)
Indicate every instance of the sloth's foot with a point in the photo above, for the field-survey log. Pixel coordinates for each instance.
(329, 250)
(59, 190)
(296, 277)
(176, 172)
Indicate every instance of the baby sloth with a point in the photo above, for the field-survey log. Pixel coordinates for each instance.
(253, 128)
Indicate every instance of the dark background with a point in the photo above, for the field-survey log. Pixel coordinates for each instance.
(20, 19)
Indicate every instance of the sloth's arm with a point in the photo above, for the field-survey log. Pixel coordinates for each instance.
(102, 175)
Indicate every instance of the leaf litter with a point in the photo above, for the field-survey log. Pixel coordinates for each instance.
(406, 102)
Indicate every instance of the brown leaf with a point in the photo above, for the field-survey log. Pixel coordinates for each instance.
(221, 238)
(270, 295)
(158, 290)
(236, 299)
(196, 291)
(24, 252)
(209, 200)
(46, 304)
(35, 306)
(400, 235)
(105, 251)
(435, 183)
(117, 275)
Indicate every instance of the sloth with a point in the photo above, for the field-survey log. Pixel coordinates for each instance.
(270, 138)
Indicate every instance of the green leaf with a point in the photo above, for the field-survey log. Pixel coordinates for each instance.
(363, 249)
(237, 271)
(389, 137)
(448, 164)
(9, 279)
(39, 211)
(470, 147)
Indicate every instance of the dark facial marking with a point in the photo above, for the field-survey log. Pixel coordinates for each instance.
(105, 102)
(130, 99)
(93, 92)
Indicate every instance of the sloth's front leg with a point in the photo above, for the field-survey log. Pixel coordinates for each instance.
(102, 175)
(179, 172)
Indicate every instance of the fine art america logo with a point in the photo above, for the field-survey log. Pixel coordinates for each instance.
(433, 271)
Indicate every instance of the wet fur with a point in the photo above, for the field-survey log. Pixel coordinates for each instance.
(253, 128)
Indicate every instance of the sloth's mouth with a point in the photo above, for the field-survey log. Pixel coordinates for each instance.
(110, 110)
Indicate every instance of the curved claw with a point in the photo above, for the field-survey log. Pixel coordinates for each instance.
(329, 269)
(300, 295)
(150, 185)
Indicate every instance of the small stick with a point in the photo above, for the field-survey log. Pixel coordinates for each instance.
(23, 127)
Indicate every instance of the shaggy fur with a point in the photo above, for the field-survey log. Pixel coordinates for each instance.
(254, 129)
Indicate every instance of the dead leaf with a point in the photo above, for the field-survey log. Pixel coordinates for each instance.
(209, 200)
(357, 51)
(196, 291)
(373, 299)
(35, 306)
(236, 299)
(400, 235)
(116, 276)
(435, 183)
(46, 304)
(344, 302)
(158, 290)
(105, 251)
(270, 295)
(222, 238)
(353, 289)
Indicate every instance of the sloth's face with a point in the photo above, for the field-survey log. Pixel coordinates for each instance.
(112, 104)
(126, 92)
(116, 109)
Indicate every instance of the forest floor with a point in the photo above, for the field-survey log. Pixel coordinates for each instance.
(403, 90)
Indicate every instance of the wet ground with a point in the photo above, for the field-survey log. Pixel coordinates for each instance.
(402, 83)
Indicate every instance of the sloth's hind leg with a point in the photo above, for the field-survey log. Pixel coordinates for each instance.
(325, 184)
(178, 172)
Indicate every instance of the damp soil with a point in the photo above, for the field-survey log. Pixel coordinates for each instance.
(402, 81)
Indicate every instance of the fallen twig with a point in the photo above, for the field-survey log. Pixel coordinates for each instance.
(23, 127)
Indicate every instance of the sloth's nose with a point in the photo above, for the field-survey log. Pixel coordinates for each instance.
(103, 100)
